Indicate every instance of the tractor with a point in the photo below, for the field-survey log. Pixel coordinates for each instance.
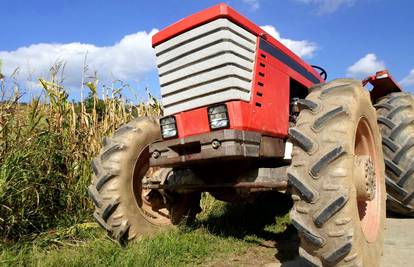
(244, 115)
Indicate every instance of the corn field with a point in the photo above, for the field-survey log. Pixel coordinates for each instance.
(46, 146)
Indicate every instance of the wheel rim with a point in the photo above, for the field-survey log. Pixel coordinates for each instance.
(155, 215)
(369, 211)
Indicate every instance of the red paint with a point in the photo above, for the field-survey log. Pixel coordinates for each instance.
(192, 122)
(223, 11)
(383, 84)
(383, 79)
(270, 98)
(268, 109)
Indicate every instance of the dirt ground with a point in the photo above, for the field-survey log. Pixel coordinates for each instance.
(399, 243)
(398, 249)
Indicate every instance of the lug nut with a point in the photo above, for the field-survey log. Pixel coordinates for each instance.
(215, 144)
(156, 154)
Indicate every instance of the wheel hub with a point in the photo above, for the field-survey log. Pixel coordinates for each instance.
(364, 173)
(367, 180)
(153, 206)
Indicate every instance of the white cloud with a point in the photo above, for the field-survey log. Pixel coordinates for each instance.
(302, 48)
(367, 65)
(254, 4)
(409, 79)
(129, 59)
(327, 6)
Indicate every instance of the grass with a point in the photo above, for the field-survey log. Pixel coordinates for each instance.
(221, 231)
(172, 248)
(46, 147)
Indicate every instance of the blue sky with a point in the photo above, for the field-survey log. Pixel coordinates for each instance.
(349, 38)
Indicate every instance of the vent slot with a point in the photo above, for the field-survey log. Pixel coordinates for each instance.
(206, 65)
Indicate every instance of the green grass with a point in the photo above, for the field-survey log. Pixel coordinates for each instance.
(221, 230)
(172, 248)
(46, 148)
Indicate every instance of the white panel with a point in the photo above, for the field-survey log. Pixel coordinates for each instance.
(206, 100)
(209, 64)
(203, 78)
(214, 62)
(202, 30)
(201, 43)
(208, 88)
(288, 150)
(216, 49)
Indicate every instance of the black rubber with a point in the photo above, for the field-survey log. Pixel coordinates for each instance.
(104, 179)
(305, 190)
(387, 122)
(307, 104)
(338, 253)
(301, 140)
(315, 239)
(338, 88)
(328, 116)
(389, 143)
(406, 176)
(324, 161)
(396, 120)
(327, 212)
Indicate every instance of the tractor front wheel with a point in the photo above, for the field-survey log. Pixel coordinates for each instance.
(122, 206)
(337, 175)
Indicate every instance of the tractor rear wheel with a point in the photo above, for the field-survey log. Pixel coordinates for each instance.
(337, 177)
(122, 206)
(396, 120)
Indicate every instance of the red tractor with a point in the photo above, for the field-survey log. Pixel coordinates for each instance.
(235, 100)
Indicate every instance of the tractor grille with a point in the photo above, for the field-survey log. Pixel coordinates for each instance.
(208, 64)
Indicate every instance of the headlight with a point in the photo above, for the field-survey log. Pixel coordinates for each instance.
(168, 127)
(218, 117)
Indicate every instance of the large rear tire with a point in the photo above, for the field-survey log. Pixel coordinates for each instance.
(337, 177)
(122, 206)
(396, 120)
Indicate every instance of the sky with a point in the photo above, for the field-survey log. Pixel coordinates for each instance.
(349, 38)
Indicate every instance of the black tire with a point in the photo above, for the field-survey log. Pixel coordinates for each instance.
(396, 122)
(118, 171)
(326, 211)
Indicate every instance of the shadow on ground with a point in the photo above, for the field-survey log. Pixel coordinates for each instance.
(264, 221)
(393, 215)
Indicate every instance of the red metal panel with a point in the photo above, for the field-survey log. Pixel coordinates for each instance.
(239, 115)
(270, 98)
(280, 67)
(383, 84)
(195, 121)
(192, 122)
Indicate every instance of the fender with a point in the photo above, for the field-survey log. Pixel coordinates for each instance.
(383, 84)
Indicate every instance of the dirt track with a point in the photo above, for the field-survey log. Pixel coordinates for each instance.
(399, 243)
